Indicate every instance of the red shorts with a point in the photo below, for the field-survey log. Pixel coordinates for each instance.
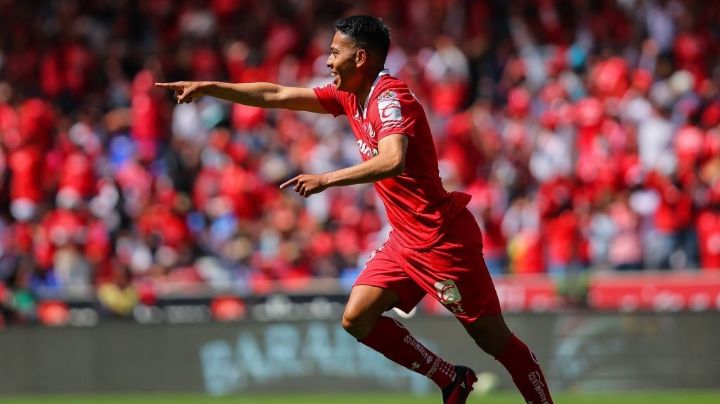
(453, 271)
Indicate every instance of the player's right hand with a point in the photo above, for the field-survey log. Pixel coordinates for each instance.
(185, 91)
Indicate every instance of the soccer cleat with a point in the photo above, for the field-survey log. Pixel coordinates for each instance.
(457, 392)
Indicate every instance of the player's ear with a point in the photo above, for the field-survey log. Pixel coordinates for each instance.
(361, 57)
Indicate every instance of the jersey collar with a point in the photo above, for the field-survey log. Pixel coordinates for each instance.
(383, 72)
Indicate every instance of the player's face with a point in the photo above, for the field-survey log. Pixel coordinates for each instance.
(343, 63)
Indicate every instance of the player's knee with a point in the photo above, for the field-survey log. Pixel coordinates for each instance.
(347, 324)
(355, 322)
(350, 321)
(491, 334)
(489, 343)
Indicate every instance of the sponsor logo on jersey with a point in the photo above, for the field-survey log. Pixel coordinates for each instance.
(366, 150)
(369, 130)
(448, 292)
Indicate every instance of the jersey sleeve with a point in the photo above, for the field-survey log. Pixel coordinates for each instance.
(396, 114)
(330, 99)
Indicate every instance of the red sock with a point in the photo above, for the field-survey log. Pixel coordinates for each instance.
(525, 370)
(394, 341)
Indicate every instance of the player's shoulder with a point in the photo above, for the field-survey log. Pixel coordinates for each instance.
(392, 88)
(392, 103)
(390, 83)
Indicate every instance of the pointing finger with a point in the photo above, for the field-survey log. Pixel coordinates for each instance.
(168, 85)
(288, 183)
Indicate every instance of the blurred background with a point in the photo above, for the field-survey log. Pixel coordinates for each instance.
(587, 131)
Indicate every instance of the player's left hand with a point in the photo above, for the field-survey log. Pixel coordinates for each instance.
(307, 184)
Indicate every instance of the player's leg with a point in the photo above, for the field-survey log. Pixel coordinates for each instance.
(478, 310)
(364, 308)
(363, 319)
(493, 336)
(455, 274)
(490, 333)
(381, 286)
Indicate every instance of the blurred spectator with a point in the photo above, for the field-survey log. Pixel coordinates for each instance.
(625, 246)
(118, 295)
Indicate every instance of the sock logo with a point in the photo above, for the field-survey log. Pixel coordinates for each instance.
(534, 358)
(448, 292)
(427, 356)
(433, 368)
(536, 380)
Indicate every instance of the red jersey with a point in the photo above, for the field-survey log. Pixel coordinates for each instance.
(418, 207)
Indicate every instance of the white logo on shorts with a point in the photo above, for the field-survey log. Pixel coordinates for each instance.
(448, 292)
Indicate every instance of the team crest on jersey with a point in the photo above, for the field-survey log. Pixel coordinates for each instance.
(388, 95)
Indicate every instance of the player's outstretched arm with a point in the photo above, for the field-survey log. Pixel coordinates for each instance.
(263, 95)
(389, 162)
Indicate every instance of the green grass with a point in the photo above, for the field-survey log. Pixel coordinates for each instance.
(364, 398)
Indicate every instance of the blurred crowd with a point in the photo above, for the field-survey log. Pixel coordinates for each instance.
(588, 133)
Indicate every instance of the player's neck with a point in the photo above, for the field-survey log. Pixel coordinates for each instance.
(366, 87)
(363, 93)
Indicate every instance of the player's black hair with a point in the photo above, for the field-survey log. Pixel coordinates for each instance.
(368, 32)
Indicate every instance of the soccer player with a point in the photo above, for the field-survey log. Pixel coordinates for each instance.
(435, 244)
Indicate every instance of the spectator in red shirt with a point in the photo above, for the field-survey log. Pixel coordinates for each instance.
(708, 229)
(625, 251)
